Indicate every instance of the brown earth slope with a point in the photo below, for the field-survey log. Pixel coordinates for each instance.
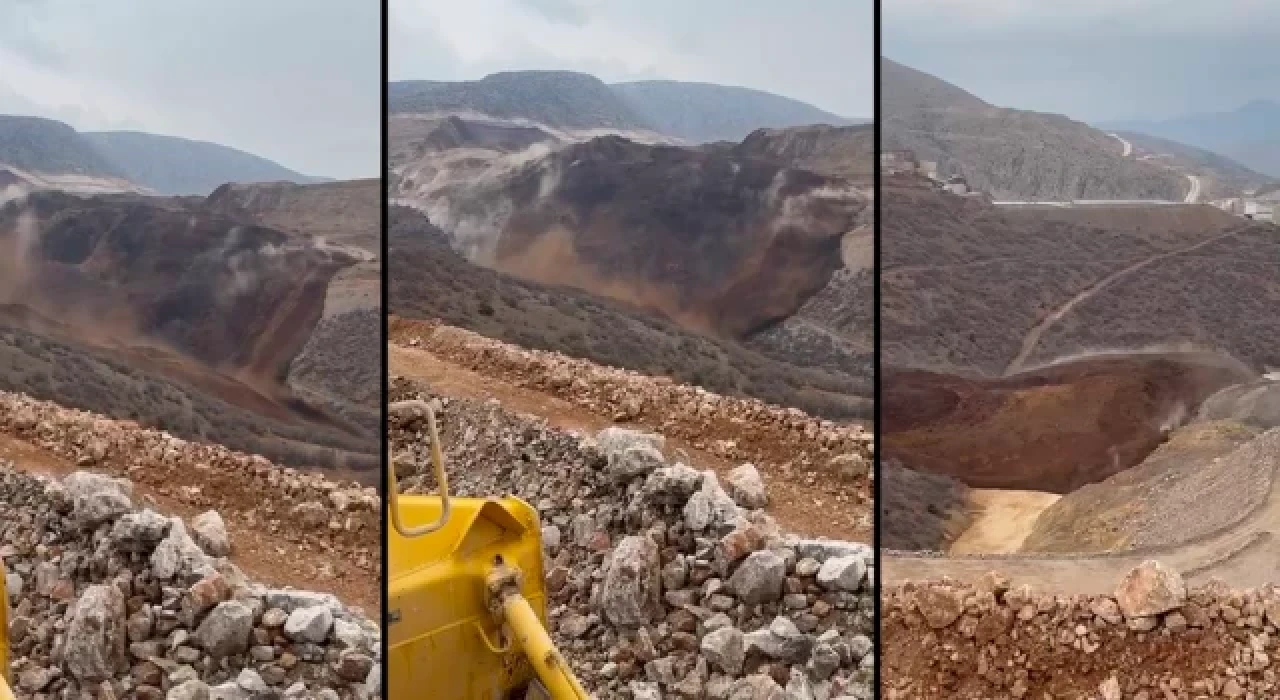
(165, 312)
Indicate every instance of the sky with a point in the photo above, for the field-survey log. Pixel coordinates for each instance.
(823, 55)
(294, 81)
(1094, 60)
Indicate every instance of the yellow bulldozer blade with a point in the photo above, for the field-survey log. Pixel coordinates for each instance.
(467, 605)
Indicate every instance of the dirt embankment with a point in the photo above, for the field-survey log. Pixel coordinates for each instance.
(1149, 638)
(817, 471)
(287, 527)
(1054, 429)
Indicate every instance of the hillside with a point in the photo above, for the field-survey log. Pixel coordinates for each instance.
(561, 99)
(1247, 135)
(48, 146)
(178, 166)
(973, 289)
(843, 151)
(704, 112)
(162, 311)
(1222, 177)
(429, 280)
(1008, 153)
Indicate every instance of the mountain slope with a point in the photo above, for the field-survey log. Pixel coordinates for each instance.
(562, 99)
(172, 165)
(1248, 135)
(1222, 176)
(48, 146)
(703, 112)
(1010, 153)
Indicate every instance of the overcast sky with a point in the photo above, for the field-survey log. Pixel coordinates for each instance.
(294, 81)
(822, 54)
(1094, 59)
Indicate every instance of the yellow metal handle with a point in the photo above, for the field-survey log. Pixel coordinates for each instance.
(442, 478)
(532, 638)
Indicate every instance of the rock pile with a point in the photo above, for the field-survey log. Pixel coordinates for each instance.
(663, 581)
(109, 601)
(1152, 639)
(328, 516)
(786, 439)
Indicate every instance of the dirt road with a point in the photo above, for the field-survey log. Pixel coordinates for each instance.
(1244, 555)
(1032, 339)
(799, 505)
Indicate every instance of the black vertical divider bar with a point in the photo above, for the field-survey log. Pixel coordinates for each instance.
(876, 340)
(385, 360)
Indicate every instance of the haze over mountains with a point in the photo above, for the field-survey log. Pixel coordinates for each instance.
(163, 164)
(581, 207)
(695, 112)
(1249, 134)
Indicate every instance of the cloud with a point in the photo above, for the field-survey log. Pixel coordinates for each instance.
(1094, 59)
(823, 55)
(295, 81)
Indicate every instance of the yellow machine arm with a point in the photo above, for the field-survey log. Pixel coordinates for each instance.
(467, 599)
(6, 692)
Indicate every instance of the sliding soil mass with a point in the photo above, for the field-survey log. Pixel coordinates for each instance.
(1052, 429)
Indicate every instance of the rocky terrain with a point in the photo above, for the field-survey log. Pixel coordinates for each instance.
(1152, 637)
(1008, 153)
(148, 302)
(805, 461)
(142, 565)
(664, 580)
(761, 249)
(160, 164)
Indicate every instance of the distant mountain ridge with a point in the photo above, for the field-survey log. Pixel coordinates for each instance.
(702, 112)
(696, 112)
(1011, 153)
(1249, 135)
(46, 145)
(174, 165)
(166, 164)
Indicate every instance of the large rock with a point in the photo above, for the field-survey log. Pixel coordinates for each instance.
(614, 440)
(178, 556)
(96, 637)
(672, 485)
(746, 487)
(96, 498)
(710, 507)
(139, 532)
(842, 573)
(940, 605)
(759, 578)
(1150, 589)
(632, 592)
(756, 687)
(226, 630)
(189, 690)
(309, 624)
(210, 533)
(781, 641)
(725, 649)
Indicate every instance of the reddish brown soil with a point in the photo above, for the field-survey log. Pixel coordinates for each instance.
(916, 667)
(1053, 429)
(801, 503)
(271, 558)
